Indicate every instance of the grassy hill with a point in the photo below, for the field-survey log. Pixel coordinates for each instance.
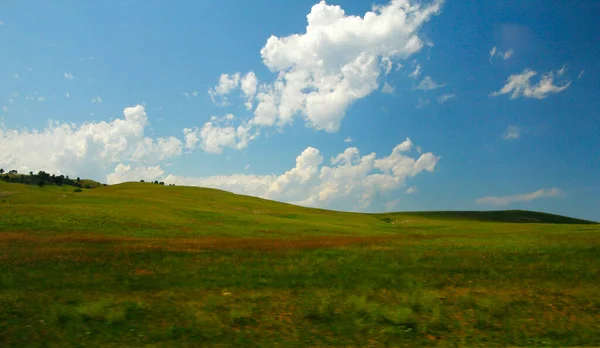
(142, 264)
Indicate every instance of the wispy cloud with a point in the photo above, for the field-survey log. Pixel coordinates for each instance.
(416, 73)
(387, 88)
(97, 99)
(68, 76)
(494, 52)
(428, 84)
(512, 133)
(423, 102)
(519, 85)
(348, 140)
(411, 190)
(580, 74)
(525, 197)
(446, 97)
(391, 205)
(16, 76)
(1, 23)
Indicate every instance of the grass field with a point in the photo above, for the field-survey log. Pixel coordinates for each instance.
(147, 265)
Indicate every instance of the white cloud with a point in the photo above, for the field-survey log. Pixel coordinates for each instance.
(580, 74)
(519, 85)
(195, 93)
(526, 197)
(226, 84)
(246, 167)
(41, 98)
(417, 72)
(494, 52)
(411, 190)
(423, 102)
(446, 97)
(97, 99)
(16, 76)
(124, 173)
(1, 23)
(512, 133)
(348, 140)
(68, 76)
(387, 88)
(67, 94)
(428, 84)
(338, 59)
(350, 178)
(86, 150)
(391, 205)
(248, 85)
(4, 108)
(219, 134)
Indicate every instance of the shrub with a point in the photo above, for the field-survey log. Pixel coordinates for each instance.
(78, 189)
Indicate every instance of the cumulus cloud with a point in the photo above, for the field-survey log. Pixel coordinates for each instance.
(248, 85)
(348, 140)
(519, 85)
(87, 149)
(526, 197)
(124, 173)
(349, 177)
(68, 76)
(219, 134)
(512, 133)
(338, 59)
(226, 84)
(428, 84)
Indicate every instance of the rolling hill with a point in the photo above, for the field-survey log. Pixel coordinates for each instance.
(139, 264)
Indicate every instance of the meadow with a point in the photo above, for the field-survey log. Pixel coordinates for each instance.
(140, 264)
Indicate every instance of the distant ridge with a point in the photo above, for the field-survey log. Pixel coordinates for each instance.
(510, 216)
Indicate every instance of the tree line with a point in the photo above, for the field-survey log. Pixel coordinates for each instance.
(157, 182)
(41, 179)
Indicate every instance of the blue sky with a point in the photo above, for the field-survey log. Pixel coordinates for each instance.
(498, 99)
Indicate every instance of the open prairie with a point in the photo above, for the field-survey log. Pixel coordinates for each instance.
(148, 265)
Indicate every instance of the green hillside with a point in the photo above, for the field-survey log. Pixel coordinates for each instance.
(139, 264)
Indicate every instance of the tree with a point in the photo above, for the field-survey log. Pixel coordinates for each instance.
(13, 172)
(1, 171)
(142, 180)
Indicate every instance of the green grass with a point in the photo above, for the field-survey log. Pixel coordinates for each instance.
(148, 265)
